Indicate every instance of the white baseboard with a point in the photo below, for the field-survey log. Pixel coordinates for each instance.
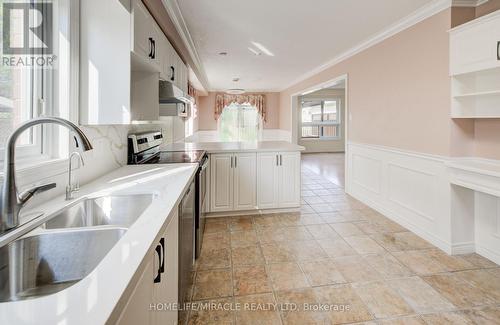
(463, 248)
(488, 253)
(249, 212)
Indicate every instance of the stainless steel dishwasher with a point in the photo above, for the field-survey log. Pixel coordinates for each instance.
(186, 242)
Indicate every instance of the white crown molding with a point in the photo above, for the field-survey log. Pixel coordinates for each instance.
(175, 14)
(468, 3)
(421, 14)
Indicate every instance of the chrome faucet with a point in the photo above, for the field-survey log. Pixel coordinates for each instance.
(71, 188)
(10, 201)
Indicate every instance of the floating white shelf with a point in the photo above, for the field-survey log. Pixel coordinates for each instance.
(481, 93)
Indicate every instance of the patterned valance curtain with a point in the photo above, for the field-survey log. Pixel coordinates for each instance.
(224, 100)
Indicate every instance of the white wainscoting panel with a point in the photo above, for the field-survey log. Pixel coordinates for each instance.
(487, 226)
(411, 189)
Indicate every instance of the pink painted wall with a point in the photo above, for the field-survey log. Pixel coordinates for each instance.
(206, 106)
(398, 90)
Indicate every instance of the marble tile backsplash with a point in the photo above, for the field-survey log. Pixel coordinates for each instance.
(109, 154)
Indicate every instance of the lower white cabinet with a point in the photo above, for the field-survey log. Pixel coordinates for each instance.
(249, 181)
(278, 180)
(156, 289)
(232, 182)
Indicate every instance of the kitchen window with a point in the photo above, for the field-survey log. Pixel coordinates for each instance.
(240, 122)
(44, 88)
(321, 119)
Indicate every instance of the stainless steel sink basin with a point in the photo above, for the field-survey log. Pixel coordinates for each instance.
(67, 247)
(49, 261)
(117, 210)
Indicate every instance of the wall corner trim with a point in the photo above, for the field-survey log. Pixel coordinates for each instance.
(416, 17)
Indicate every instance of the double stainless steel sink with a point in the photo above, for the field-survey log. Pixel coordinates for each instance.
(66, 247)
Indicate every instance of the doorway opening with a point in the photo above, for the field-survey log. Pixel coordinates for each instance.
(320, 124)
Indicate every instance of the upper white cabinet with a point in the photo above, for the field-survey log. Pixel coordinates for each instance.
(475, 46)
(278, 180)
(145, 42)
(232, 182)
(105, 66)
(475, 68)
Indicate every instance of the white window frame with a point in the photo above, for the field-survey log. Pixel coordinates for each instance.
(321, 124)
(51, 147)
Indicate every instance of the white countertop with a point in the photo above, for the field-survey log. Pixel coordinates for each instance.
(221, 147)
(92, 300)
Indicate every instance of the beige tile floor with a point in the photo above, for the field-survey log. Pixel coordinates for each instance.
(339, 254)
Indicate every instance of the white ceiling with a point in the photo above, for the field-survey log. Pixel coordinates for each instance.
(302, 35)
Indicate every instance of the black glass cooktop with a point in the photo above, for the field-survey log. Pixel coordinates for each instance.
(172, 157)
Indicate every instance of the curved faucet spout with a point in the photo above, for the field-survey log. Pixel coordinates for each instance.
(10, 201)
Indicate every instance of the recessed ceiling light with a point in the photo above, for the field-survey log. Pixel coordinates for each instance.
(223, 53)
(257, 53)
(263, 49)
(235, 91)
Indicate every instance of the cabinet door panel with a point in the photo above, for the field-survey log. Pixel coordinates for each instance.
(166, 291)
(289, 180)
(136, 311)
(104, 89)
(267, 180)
(221, 182)
(245, 181)
(143, 29)
(475, 47)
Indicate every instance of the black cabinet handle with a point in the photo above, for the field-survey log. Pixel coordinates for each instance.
(150, 47)
(158, 273)
(277, 160)
(498, 50)
(162, 265)
(172, 69)
(154, 49)
(281, 160)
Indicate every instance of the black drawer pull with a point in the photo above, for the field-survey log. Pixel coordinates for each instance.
(498, 50)
(162, 266)
(158, 273)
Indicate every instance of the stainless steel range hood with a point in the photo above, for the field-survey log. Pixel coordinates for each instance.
(171, 94)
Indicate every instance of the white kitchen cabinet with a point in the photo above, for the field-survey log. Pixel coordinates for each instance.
(145, 32)
(245, 172)
(166, 291)
(475, 68)
(289, 180)
(105, 66)
(232, 182)
(136, 310)
(267, 180)
(475, 46)
(278, 180)
(221, 182)
(155, 289)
